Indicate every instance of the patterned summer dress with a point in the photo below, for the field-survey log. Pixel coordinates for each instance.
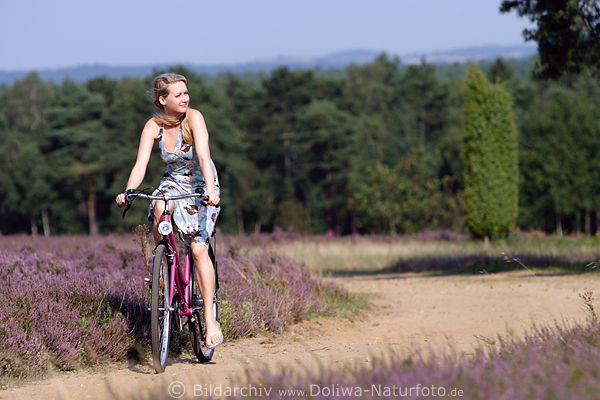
(183, 175)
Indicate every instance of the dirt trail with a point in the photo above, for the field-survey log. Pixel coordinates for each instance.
(409, 312)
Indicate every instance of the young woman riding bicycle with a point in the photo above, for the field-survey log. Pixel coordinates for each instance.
(183, 141)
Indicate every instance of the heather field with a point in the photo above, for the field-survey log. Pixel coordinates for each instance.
(72, 302)
(529, 302)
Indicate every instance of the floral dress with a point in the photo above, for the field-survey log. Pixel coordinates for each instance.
(183, 175)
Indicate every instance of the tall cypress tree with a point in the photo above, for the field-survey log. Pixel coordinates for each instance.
(490, 157)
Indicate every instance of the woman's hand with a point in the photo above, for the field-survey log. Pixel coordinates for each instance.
(120, 199)
(213, 199)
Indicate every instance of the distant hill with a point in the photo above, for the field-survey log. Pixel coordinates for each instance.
(465, 54)
(338, 60)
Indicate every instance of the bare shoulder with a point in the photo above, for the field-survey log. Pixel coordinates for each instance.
(151, 128)
(194, 115)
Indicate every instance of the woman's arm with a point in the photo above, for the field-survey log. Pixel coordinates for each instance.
(200, 133)
(149, 134)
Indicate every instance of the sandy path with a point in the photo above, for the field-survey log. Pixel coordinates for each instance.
(409, 312)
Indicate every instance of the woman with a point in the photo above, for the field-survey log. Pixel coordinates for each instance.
(189, 166)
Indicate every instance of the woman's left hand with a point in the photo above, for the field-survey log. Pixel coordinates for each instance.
(213, 199)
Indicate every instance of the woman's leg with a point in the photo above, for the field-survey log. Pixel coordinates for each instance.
(205, 276)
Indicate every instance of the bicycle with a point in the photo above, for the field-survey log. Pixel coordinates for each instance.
(168, 275)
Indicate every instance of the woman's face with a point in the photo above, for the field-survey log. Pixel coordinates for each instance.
(177, 100)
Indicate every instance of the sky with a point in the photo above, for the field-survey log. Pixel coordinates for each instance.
(41, 34)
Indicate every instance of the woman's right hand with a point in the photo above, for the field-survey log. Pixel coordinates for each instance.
(120, 199)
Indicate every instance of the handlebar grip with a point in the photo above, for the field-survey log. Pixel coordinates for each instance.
(205, 198)
(200, 190)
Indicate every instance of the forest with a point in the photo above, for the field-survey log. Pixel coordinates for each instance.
(373, 148)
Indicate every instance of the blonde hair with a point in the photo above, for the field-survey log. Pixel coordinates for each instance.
(160, 88)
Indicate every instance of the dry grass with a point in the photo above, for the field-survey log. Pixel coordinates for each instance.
(358, 255)
(365, 254)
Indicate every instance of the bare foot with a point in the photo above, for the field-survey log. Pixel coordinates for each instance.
(214, 335)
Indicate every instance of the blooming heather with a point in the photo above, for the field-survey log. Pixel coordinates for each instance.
(71, 301)
(549, 363)
(268, 292)
(66, 303)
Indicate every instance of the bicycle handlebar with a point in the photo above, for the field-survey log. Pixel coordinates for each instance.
(131, 195)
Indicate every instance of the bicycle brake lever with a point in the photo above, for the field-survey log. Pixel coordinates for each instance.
(127, 202)
(127, 207)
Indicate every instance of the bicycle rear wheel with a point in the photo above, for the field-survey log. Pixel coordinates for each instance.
(198, 335)
(160, 313)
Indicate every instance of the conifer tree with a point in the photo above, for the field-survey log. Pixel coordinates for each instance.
(490, 157)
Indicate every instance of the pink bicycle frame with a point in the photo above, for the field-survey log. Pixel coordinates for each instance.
(177, 276)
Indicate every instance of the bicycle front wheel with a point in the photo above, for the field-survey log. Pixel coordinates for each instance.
(160, 312)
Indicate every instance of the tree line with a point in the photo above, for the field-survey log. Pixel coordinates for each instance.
(374, 148)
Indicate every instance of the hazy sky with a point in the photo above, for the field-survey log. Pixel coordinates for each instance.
(37, 34)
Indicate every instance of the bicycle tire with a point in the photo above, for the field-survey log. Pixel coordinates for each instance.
(197, 326)
(160, 314)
